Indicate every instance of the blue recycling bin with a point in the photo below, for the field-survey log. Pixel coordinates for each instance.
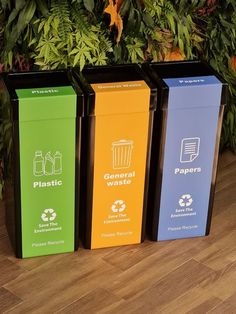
(185, 145)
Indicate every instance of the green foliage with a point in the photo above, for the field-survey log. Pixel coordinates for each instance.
(175, 20)
(18, 20)
(219, 48)
(61, 33)
(151, 30)
(89, 5)
(78, 44)
(60, 10)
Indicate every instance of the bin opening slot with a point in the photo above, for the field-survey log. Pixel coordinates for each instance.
(181, 69)
(37, 80)
(112, 74)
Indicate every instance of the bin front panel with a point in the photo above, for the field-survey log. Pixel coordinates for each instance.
(121, 140)
(47, 170)
(192, 119)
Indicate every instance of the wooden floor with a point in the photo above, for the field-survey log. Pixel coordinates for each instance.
(184, 276)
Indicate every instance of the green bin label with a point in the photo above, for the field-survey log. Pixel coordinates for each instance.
(47, 169)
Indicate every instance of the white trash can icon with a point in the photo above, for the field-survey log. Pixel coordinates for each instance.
(122, 154)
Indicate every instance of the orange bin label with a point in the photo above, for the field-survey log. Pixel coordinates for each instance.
(121, 140)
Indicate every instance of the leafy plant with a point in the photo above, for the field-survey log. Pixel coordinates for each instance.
(220, 49)
(55, 35)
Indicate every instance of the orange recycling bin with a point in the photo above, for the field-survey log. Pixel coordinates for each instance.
(116, 134)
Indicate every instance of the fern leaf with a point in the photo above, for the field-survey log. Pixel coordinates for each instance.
(61, 9)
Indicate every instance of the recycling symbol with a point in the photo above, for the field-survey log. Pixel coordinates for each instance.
(48, 214)
(118, 206)
(185, 200)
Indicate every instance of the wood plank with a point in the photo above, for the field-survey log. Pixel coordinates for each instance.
(168, 288)
(9, 271)
(223, 285)
(92, 303)
(194, 301)
(128, 256)
(63, 282)
(184, 276)
(8, 300)
(225, 198)
(226, 307)
(147, 272)
(223, 223)
(205, 307)
(225, 158)
(220, 254)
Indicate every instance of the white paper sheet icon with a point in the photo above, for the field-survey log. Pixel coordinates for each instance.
(189, 149)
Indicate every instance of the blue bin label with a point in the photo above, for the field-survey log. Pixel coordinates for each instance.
(193, 111)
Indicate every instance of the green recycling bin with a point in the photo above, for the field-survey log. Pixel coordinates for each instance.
(42, 149)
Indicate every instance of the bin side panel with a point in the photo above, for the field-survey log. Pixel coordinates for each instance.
(77, 177)
(86, 186)
(147, 177)
(11, 169)
(47, 167)
(215, 167)
(156, 171)
(188, 162)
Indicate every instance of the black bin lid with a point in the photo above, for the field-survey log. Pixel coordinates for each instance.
(159, 71)
(42, 79)
(112, 74)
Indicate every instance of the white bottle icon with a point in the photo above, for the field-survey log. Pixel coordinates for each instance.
(49, 164)
(38, 163)
(58, 163)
